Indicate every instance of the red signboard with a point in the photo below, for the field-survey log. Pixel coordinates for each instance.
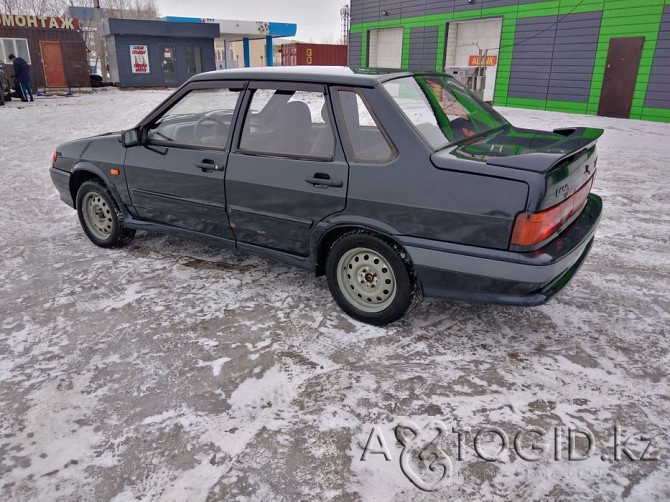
(490, 61)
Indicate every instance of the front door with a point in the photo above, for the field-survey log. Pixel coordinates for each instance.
(52, 60)
(623, 63)
(169, 66)
(176, 176)
(288, 171)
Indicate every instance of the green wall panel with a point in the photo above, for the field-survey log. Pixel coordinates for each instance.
(441, 39)
(621, 18)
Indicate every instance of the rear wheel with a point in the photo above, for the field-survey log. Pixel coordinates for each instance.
(369, 278)
(100, 216)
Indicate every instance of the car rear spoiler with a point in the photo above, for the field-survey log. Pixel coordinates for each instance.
(541, 161)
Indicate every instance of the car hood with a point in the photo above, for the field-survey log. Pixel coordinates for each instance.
(77, 148)
(517, 148)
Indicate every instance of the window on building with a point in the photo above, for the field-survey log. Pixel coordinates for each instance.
(193, 61)
(16, 46)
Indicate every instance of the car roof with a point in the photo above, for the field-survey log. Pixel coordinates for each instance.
(333, 75)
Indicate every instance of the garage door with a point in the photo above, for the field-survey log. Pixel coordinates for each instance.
(464, 39)
(385, 48)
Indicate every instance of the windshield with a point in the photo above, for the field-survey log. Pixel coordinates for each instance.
(442, 110)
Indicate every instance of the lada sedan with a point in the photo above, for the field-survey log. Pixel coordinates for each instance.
(391, 184)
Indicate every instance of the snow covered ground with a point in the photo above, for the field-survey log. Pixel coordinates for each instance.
(173, 370)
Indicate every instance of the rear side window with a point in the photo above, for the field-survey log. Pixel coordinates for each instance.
(288, 123)
(442, 110)
(415, 105)
(364, 136)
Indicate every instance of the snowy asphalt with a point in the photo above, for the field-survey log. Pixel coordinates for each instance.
(172, 370)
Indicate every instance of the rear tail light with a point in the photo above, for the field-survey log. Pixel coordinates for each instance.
(532, 228)
(54, 158)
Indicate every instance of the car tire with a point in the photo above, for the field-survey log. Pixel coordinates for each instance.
(370, 278)
(100, 216)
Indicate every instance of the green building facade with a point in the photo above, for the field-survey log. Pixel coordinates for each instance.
(606, 57)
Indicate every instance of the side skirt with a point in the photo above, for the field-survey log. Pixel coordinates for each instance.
(306, 263)
(151, 226)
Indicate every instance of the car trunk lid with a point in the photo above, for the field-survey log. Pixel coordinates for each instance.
(568, 163)
(566, 158)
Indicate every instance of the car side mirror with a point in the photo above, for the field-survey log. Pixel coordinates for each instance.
(130, 138)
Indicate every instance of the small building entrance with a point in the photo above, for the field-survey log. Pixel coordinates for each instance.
(52, 58)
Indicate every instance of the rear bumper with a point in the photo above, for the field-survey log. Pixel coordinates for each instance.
(61, 180)
(492, 276)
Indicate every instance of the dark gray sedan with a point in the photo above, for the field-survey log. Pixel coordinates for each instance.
(390, 183)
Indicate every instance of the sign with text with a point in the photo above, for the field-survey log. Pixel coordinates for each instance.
(139, 58)
(21, 21)
(488, 61)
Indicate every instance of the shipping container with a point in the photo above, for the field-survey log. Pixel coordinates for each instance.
(300, 54)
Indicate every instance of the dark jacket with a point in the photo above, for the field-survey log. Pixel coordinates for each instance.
(21, 71)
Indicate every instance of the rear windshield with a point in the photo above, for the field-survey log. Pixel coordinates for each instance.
(442, 110)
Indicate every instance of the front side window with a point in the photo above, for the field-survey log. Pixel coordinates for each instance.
(288, 123)
(442, 110)
(364, 136)
(201, 118)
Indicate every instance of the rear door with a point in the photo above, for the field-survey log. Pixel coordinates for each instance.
(287, 171)
(176, 176)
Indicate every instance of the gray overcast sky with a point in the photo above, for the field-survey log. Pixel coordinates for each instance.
(318, 20)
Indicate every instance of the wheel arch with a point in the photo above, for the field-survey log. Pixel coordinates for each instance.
(331, 234)
(84, 171)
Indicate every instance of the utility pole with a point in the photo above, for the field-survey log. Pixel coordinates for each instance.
(99, 47)
(345, 19)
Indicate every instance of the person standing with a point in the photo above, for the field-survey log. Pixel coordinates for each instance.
(22, 75)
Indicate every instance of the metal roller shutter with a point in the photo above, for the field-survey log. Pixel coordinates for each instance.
(386, 48)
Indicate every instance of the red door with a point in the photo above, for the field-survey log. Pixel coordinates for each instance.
(52, 60)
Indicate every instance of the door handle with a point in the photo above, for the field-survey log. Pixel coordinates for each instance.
(323, 179)
(208, 165)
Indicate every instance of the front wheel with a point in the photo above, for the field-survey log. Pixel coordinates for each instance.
(100, 217)
(369, 278)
